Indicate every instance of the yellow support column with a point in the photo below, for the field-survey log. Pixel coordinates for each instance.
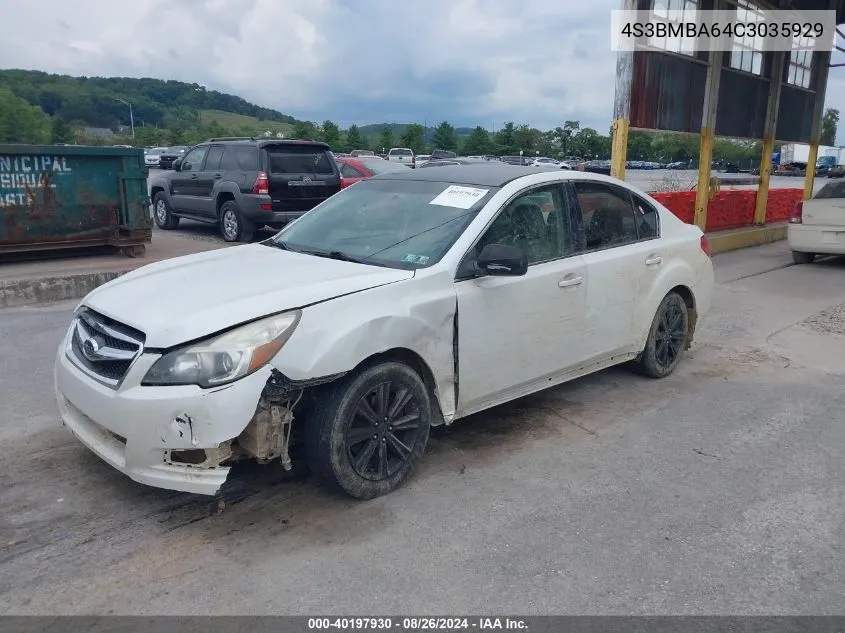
(702, 188)
(619, 150)
(810, 174)
(765, 177)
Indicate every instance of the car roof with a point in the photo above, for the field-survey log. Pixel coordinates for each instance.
(488, 174)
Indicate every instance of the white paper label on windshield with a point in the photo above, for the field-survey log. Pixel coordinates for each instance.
(459, 197)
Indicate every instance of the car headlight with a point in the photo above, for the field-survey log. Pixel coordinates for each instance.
(227, 357)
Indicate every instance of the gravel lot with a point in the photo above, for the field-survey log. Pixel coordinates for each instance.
(717, 490)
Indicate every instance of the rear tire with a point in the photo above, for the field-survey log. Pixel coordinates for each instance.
(368, 430)
(163, 214)
(234, 227)
(803, 258)
(666, 339)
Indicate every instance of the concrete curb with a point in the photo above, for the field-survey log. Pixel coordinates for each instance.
(724, 241)
(20, 292)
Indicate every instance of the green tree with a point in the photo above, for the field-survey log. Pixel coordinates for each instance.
(830, 121)
(526, 139)
(60, 131)
(354, 140)
(565, 134)
(506, 140)
(412, 138)
(177, 135)
(444, 137)
(304, 130)
(21, 122)
(478, 143)
(589, 144)
(385, 140)
(331, 135)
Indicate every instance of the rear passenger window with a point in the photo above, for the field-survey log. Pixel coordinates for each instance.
(648, 222)
(240, 158)
(831, 190)
(607, 216)
(299, 160)
(348, 171)
(212, 161)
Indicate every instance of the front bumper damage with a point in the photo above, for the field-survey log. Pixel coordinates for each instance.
(178, 437)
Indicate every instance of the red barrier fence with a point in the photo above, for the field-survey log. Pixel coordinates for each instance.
(731, 209)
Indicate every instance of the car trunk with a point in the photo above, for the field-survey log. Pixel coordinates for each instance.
(827, 208)
(300, 177)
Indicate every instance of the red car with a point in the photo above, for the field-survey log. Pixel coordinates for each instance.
(362, 167)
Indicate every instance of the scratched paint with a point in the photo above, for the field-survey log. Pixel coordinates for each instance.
(64, 196)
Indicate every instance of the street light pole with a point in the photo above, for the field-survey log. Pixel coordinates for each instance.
(131, 116)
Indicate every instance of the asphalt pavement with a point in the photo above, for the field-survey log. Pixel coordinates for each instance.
(717, 490)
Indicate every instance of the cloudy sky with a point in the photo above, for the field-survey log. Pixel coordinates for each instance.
(473, 62)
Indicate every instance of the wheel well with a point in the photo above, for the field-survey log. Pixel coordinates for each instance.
(416, 362)
(689, 299)
(156, 190)
(222, 197)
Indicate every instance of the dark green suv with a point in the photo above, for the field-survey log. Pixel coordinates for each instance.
(242, 184)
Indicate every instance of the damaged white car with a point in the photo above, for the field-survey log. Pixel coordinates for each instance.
(403, 302)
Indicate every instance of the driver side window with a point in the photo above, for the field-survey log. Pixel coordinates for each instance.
(193, 161)
(537, 222)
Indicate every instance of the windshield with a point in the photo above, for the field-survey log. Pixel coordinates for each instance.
(177, 150)
(397, 223)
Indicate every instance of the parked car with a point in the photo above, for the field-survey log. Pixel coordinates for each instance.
(451, 162)
(354, 169)
(369, 320)
(725, 166)
(817, 226)
(422, 159)
(167, 157)
(245, 184)
(152, 157)
(837, 171)
(401, 155)
(545, 162)
(361, 152)
(440, 154)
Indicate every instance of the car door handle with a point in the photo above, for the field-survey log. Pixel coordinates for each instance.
(194, 176)
(568, 282)
(217, 176)
(654, 260)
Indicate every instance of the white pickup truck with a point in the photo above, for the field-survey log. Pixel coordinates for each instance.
(402, 155)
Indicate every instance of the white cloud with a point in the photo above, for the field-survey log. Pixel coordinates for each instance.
(471, 61)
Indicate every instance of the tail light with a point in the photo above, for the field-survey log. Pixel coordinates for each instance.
(797, 216)
(705, 246)
(343, 183)
(413, 161)
(262, 185)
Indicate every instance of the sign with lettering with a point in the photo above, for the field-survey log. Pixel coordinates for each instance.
(22, 176)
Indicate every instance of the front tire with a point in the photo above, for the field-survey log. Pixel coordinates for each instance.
(803, 258)
(163, 214)
(234, 227)
(369, 430)
(666, 339)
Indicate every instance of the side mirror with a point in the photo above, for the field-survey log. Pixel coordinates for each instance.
(177, 164)
(502, 260)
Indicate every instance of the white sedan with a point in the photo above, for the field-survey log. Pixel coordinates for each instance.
(817, 226)
(408, 300)
(152, 157)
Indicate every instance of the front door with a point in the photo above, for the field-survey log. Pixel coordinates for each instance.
(185, 182)
(515, 332)
(208, 178)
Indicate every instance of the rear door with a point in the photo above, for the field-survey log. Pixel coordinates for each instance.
(301, 176)
(620, 265)
(827, 207)
(350, 173)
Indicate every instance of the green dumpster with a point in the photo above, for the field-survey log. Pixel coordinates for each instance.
(61, 196)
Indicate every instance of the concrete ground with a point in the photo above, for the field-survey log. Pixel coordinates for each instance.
(718, 490)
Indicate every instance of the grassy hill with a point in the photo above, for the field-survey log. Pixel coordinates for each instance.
(232, 120)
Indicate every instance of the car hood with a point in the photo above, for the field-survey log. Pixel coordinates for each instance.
(186, 298)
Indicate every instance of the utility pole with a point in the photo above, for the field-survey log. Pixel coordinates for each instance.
(131, 116)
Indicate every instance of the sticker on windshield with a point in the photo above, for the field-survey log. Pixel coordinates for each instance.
(459, 197)
(410, 258)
